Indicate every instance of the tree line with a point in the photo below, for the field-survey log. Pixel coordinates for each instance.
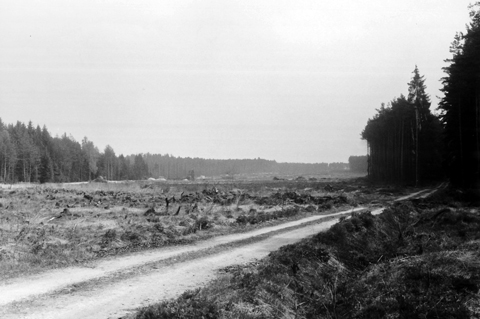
(461, 105)
(31, 154)
(407, 144)
(172, 167)
(404, 138)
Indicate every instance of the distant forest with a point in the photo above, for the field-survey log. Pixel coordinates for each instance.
(31, 154)
(407, 144)
(358, 164)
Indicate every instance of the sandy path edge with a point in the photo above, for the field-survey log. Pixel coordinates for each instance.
(116, 299)
(123, 297)
(25, 287)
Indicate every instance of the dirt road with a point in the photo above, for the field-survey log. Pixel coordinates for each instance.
(115, 287)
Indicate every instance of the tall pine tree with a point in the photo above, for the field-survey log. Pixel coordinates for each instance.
(404, 138)
(461, 105)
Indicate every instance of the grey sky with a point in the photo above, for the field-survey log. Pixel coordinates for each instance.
(286, 80)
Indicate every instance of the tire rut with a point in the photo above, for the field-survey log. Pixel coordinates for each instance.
(116, 287)
(38, 293)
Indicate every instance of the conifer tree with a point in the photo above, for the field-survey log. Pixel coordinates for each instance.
(92, 154)
(403, 138)
(461, 105)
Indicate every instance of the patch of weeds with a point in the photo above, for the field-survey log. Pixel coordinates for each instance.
(131, 236)
(107, 238)
(190, 305)
(203, 223)
(409, 262)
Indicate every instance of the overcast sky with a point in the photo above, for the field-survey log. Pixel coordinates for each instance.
(294, 81)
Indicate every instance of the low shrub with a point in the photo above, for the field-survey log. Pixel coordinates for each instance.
(190, 305)
(203, 223)
(404, 263)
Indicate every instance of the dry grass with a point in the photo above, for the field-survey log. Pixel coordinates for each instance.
(416, 260)
(57, 225)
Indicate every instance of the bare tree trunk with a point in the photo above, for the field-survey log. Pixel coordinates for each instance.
(401, 153)
(477, 93)
(368, 159)
(460, 142)
(416, 145)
